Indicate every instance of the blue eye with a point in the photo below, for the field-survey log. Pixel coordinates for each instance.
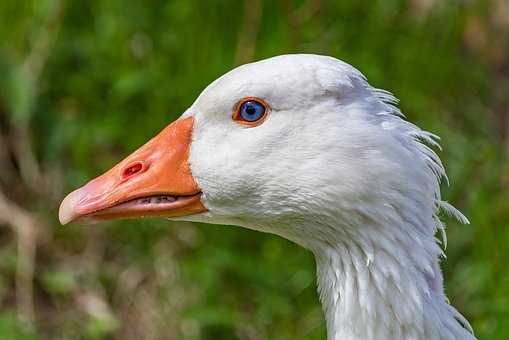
(251, 111)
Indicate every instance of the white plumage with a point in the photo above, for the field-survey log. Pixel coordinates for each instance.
(336, 169)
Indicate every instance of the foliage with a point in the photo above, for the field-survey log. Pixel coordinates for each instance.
(83, 83)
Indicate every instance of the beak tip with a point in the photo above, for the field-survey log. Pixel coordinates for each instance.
(67, 211)
(63, 217)
(64, 214)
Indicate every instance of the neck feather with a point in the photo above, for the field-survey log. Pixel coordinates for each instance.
(385, 288)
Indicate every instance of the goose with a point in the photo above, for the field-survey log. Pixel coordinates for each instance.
(303, 147)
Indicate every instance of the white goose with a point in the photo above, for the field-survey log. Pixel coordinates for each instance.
(303, 147)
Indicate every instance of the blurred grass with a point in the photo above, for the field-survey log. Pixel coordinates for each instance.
(83, 83)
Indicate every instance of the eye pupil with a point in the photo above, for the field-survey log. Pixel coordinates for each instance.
(251, 111)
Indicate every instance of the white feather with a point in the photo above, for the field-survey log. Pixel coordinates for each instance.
(337, 169)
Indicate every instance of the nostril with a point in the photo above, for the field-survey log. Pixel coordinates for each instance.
(132, 169)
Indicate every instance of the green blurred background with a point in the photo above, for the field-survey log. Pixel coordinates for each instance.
(84, 82)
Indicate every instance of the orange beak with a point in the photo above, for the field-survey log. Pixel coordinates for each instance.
(154, 181)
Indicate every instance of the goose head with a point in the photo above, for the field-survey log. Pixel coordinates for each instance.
(303, 147)
(267, 146)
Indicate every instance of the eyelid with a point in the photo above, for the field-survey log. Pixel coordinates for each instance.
(236, 112)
